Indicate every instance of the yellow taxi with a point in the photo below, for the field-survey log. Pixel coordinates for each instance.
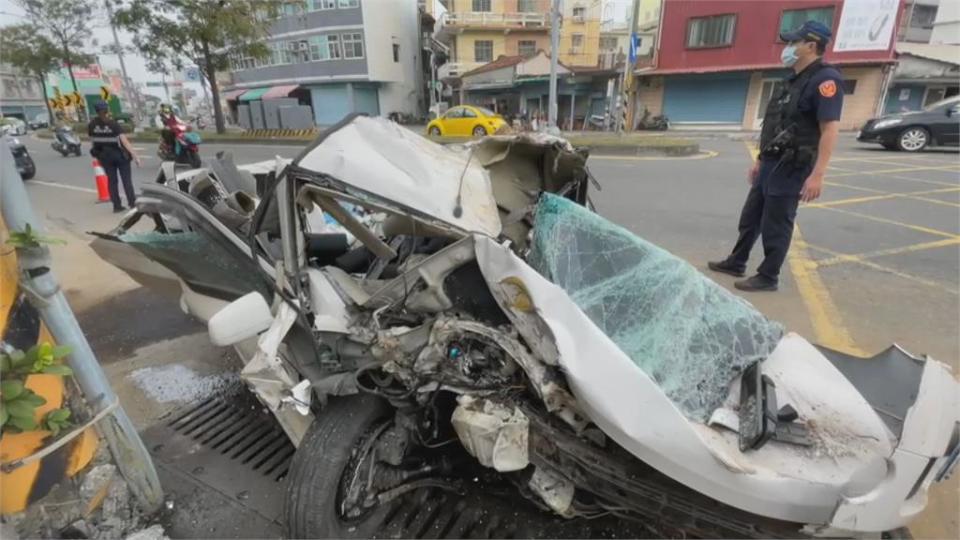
(466, 121)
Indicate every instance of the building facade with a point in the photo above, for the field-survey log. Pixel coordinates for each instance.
(946, 25)
(717, 64)
(916, 25)
(20, 95)
(480, 31)
(329, 58)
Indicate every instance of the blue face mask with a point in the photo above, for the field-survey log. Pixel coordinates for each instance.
(789, 55)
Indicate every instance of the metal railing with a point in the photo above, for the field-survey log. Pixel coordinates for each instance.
(490, 19)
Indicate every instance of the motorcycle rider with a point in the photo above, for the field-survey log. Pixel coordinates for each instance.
(167, 121)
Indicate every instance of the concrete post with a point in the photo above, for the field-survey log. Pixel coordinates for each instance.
(554, 60)
(37, 277)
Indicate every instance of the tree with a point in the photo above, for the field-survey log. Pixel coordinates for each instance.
(63, 22)
(205, 32)
(24, 48)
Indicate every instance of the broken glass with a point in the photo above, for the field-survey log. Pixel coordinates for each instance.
(208, 267)
(687, 333)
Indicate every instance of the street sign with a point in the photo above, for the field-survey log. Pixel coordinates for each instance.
(635, 42)
(104, 93)
(55, 103)
(56, 92)
(76, 99)
(64, 101)
(192, 74)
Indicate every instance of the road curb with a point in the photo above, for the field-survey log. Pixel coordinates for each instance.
(678, 150)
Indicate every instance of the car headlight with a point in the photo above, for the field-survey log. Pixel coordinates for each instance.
(887, 123)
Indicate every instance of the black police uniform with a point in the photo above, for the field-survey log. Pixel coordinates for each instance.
(788, 151)
(105, 136)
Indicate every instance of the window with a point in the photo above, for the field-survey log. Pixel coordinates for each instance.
(317, 5)
(576, 42)
(849, 87)
(715, 31)
(483, 51)
(10, 88)
(396, 52)
(526, 47)
(349, 3)
(923, 16)
(456, 112)
(352, 45)
(794, 18)
(527, 6)
(293, 8)
(481, 5)
(579, 13)
(608, 44)
(324, 48)
(467, 113)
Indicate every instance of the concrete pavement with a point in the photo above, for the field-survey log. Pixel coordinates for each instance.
(876, 260)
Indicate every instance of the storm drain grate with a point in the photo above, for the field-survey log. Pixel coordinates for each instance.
(238, 428)
(434, 513)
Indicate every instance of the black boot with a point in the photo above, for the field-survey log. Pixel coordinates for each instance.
(726, 267)
(756, 282)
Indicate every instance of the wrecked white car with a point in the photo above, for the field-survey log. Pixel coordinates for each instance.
(390, 296)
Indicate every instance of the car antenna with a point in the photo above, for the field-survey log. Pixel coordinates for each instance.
(458, 208)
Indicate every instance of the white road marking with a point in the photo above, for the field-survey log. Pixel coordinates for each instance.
(61, 186)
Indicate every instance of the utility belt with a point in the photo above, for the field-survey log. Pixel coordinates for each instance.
(785, 148)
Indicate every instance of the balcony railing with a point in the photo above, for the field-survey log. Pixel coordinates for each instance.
(455, 69)
(496, 20)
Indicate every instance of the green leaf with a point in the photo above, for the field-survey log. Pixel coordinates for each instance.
(19, 408)
(23, 423)
(19, 359)
(5, 363)
(4, 415)
(58, 415)
(32, 399)
(11, 389)
(58, 369)
(61, 350)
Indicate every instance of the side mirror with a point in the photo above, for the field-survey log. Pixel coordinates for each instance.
(241, 319)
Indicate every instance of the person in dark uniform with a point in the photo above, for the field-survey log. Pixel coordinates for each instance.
(800, 129)
(114, 152)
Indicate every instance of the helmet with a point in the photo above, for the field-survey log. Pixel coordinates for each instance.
(100, 106)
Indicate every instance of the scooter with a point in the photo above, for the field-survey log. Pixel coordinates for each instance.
(656, 123)
(66, 142)
(186, 146)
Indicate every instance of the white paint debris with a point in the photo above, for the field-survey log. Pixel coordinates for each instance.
(176, 382)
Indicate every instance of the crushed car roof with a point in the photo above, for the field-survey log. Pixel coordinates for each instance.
(382, 158)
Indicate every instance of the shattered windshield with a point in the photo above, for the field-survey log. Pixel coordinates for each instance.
(689, 334)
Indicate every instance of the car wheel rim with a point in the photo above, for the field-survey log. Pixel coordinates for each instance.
(913, 139)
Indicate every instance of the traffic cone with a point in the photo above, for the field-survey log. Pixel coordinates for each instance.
(100, 177)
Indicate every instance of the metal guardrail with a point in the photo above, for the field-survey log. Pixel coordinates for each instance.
(482, 18)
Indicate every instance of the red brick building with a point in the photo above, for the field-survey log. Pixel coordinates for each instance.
(717, 63)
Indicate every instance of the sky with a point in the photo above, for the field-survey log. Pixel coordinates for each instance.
(137, 70)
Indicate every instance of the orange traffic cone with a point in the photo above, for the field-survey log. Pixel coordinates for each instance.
(100, 177)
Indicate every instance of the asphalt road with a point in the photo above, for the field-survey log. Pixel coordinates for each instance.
(875, 261)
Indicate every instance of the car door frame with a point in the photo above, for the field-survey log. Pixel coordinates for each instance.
(453, 121)
(469, 122)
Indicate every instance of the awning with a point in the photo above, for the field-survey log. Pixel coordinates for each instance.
(232, 95)
(253, 94)
(280, 91)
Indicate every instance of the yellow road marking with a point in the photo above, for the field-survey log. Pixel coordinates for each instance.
(887, 221)
(857, 200)
(827, 322)
(888, 270)
(702, 155)
(935, 201)
(921, 180)
(824, 315)
(891, 251)
(953, 168)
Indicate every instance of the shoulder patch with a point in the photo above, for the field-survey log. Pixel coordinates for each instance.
(828, 88)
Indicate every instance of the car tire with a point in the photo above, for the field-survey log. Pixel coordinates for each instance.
(78, 152)
(325, 455)
(913, 139)
(479, 131)
(434, 131)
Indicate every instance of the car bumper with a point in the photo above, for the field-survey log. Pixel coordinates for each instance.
(25, 164)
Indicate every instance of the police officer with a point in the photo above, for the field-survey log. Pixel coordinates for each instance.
(800, 129)
(114, 152)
